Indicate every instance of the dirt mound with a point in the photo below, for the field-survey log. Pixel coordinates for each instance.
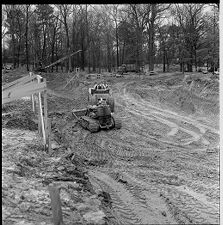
(22, 123)
(12, 75)
(182, 99)
(27, 172)
(18, 114)
(201, 96)
(189, 102)
(23, 120)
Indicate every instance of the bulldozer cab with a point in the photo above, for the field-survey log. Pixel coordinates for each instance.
(99, 89)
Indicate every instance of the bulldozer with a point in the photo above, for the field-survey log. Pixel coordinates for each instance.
(99, 113)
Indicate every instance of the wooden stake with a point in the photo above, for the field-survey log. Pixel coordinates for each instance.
(49, 135)
(45, 113)
(70, 80)
(33, 103)
(42, 120)
(56, 205)
(32, 98)
(41, 115)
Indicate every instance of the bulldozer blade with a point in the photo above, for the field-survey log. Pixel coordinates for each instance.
(79, 113)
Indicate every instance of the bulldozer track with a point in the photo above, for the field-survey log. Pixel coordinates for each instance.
(190, 209)
(194, 208)
(97, 151)
(174, 127)
(126, 203)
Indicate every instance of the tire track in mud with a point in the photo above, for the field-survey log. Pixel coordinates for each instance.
(126, 203)
(190, 208)
(144, 196)
(147, 110)
(119, 209)
(141, 197)
(181, 212)
(168, 113)
(180, 206)
(97, 153)
(102, 149)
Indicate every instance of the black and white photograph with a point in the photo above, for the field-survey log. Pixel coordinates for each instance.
(111, 113)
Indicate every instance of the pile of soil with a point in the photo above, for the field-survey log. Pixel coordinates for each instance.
(22, 123)
(202, 98)
(27, 172)
(18, 114)
(12, 75)
(182, 99)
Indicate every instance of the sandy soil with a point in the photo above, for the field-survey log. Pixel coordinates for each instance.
(161, 167)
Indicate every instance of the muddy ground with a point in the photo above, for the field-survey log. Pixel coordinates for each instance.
(161, 167)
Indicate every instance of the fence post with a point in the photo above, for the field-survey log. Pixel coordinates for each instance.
(49, 134)
(39, 117)
(45, 113)
(41, 114)
(56, 204)
(32, 97)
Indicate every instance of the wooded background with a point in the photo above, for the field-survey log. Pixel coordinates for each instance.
(111, 35)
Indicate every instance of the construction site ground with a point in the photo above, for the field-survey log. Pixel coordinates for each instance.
(161, 167)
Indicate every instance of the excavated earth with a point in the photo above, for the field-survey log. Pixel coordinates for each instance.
(161, 167)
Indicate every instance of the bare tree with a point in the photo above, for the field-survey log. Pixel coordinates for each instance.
(156, 12)
(189, 17)
(65, 11)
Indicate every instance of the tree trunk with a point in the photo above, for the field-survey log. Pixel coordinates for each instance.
(164, 60)
(18, 54)
(44, 46)
(195, 59)
(68, 62)
(151, 50)
(26, 35)
(89, 63)
(123, 52)
(93, 59)
(13, 51)
(138, 48)
(99, 59)
(56, 55)
(167, 63)
(82, 56)
(151, 39)
(53, 47)
(117, 43)
(73, 63)
(87, 41)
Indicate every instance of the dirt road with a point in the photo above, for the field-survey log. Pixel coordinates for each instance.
(162, 166)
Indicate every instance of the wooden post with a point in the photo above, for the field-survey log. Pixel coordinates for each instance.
(49, 135)
(42, 120)
(75, 76)
(56, 205)
(41, 115)
(45, 113)
(32, 97)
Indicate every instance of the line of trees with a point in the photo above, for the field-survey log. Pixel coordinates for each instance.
(111, 35)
